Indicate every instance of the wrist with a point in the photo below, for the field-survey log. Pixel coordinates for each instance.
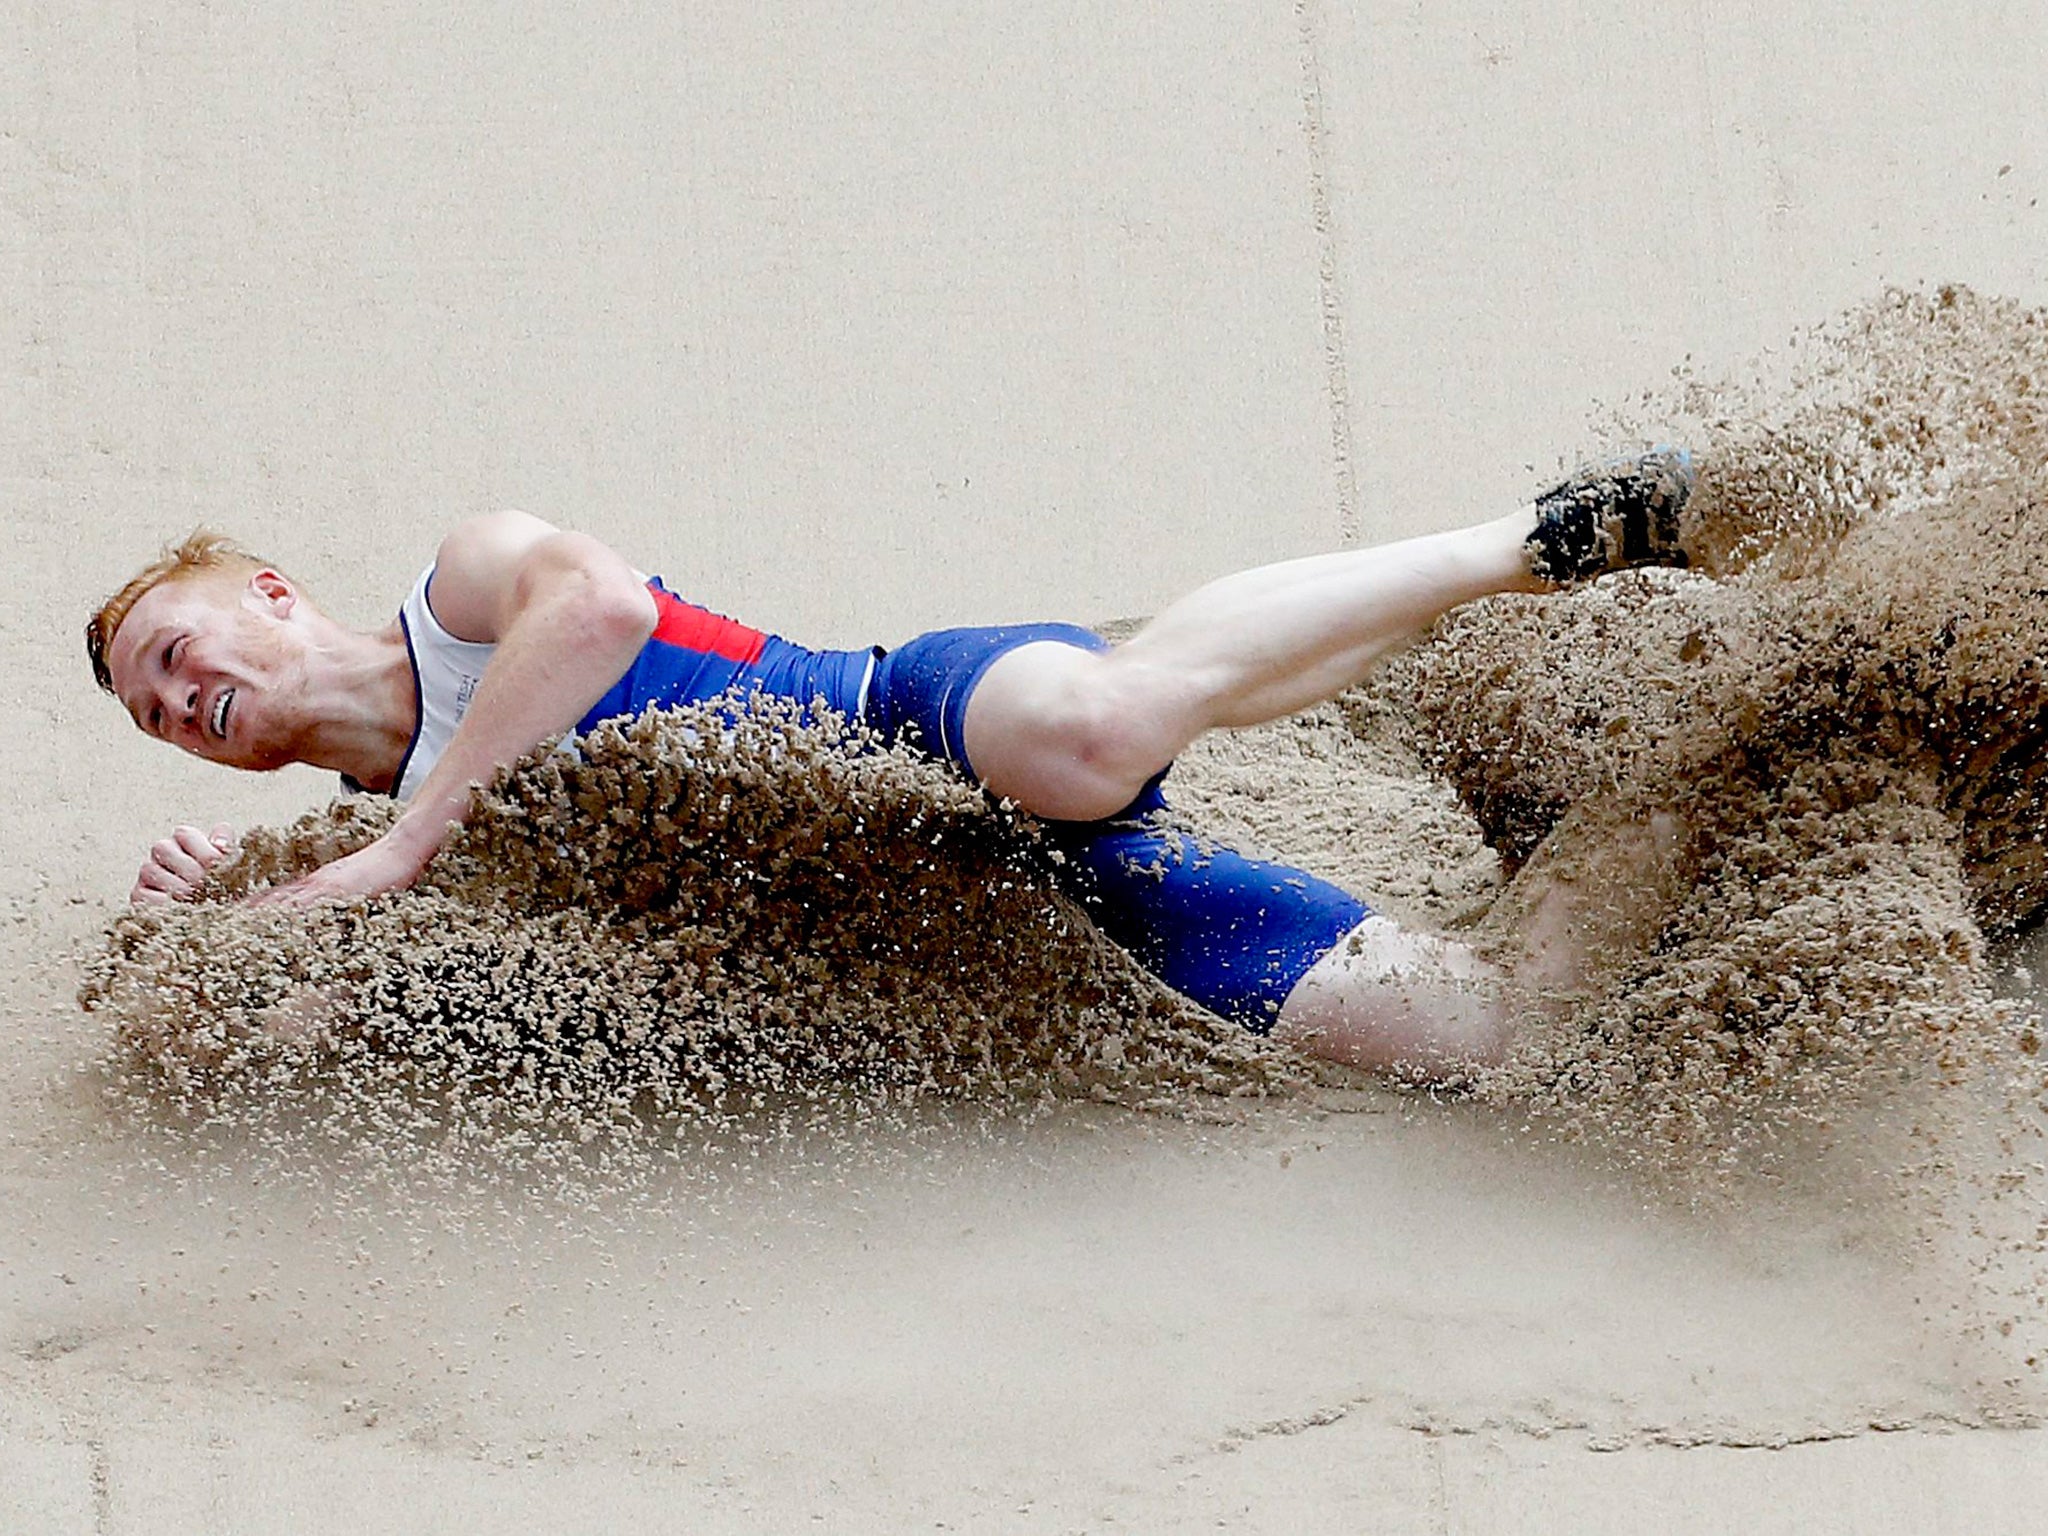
(418, 835)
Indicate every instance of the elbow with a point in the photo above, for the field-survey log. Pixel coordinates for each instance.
(610, 626)
(607, 606)
(621, 615)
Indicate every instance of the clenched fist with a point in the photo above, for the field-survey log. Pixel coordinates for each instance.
(179, 863)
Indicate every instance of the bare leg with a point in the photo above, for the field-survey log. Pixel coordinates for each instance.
(1420, 1005)
(1073, 734)
(1412, 1004)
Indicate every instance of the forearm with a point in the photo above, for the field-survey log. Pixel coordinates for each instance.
(565, 649)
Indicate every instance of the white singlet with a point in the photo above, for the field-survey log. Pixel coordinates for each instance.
(445, 673)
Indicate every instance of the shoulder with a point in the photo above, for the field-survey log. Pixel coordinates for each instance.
(477, 570)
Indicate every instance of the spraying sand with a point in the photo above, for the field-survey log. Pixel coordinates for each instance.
(1839, 717)
(1796, 788)
(697, 916)
(1807, 789)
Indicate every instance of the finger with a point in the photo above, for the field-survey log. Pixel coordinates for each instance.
(155, 883)
(173, 873)
(199, 846)
(223, 837)
(142, 895)
(168, 853)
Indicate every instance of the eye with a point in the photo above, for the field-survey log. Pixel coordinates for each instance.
(169, 651)
(156, 720)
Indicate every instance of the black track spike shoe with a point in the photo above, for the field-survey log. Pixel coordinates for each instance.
(1608, 516)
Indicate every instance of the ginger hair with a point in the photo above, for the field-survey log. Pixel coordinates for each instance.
(202, 552)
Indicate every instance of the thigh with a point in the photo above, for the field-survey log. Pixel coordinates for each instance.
(922, 689)
(1049, 727)
(1075, 733)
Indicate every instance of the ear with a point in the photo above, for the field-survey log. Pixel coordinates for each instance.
(274, 592)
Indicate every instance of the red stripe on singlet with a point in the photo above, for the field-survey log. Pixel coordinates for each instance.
(699, 629)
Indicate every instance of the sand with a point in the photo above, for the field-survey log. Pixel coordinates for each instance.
(693, 918)
(1795, 786)
(858, 322)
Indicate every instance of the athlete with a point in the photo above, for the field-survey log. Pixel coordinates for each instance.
(520, 630)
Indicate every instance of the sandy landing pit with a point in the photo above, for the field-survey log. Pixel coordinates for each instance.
(1803, 784)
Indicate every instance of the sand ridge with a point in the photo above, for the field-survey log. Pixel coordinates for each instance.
(1800, 792)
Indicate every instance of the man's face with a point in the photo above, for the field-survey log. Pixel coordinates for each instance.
(212, 663)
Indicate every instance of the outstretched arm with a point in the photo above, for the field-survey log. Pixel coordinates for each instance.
(567, 616)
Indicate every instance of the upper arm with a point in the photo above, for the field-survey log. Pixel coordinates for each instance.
(491, 566)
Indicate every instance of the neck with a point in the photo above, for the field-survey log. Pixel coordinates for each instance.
(360, 695)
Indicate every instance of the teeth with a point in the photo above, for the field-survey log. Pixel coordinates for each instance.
(220, 711)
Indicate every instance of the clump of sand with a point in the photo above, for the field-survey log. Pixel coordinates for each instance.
(1791, 795)
(698, 917)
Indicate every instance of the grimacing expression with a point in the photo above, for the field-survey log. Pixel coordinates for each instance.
(209, 664)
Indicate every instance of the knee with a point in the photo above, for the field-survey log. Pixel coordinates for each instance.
(1072, 736)
(1111, 720)
(1091, 727)
(1415, 1005)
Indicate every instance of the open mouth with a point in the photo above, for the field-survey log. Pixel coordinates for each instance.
(218, 719)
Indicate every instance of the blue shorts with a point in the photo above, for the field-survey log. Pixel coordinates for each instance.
(1233, 933)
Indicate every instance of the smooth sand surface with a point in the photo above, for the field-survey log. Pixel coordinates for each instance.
(857, 324)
